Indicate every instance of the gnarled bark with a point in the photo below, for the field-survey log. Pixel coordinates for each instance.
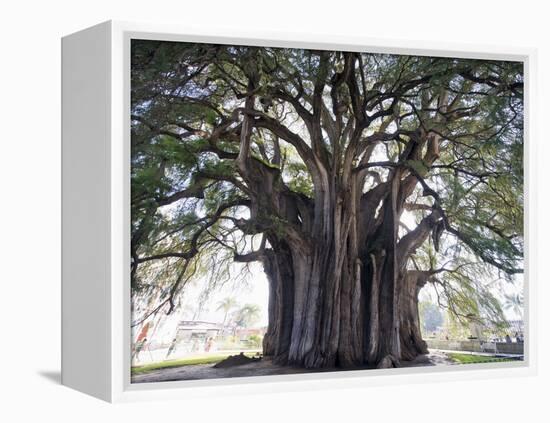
(412, 343)
(278, 268)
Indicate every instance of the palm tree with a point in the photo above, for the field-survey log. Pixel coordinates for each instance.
(227, 304)
(514, 302)
(248, 315)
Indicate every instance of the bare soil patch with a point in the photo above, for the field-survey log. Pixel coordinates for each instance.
(263, 367)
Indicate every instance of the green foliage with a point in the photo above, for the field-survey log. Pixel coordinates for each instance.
(299, 179)
(456, 329)
(255, 341)
(247, 315)
(418, 166)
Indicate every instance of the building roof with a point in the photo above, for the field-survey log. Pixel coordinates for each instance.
(198, 325)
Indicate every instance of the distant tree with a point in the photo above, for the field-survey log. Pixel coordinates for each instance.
(247, 315)
(514, 302)
(226, 305)
(255, 340)
(430, 316)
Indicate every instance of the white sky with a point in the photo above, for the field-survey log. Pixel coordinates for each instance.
(253, 291)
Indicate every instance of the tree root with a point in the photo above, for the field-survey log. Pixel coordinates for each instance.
(388, 362)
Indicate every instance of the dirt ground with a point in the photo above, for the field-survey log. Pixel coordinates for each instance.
(260, 368)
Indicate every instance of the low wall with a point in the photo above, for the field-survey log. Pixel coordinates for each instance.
(476, 346)
(510, 348)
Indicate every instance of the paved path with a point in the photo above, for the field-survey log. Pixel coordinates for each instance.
(156, 356)
(433, 358)
(261, 368)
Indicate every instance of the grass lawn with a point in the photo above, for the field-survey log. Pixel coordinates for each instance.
(472, 358)
(204, 359)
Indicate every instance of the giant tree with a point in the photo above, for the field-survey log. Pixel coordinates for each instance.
(312, 162)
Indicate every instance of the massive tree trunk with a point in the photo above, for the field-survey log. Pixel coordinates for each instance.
(340, 294)
(322, 318)
(278, 268)
(335, 303)
(343, 296)
(412, 343)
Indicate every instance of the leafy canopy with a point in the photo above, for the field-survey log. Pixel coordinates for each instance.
(191, 207)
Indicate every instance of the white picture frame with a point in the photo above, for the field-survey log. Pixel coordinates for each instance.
(96, 335)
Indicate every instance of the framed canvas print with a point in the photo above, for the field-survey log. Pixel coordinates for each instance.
(276, 211)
